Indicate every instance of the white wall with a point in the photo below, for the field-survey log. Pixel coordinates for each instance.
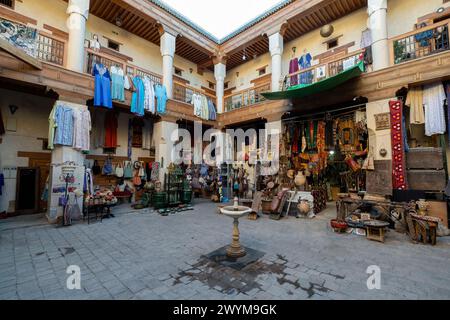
(32, 123)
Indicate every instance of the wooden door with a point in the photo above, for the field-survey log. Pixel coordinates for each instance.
(27, 198)
(43, 163)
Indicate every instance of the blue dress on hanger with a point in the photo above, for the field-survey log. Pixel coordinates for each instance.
(161, 97)
(102, 90)
(305, 63)
(138, 97)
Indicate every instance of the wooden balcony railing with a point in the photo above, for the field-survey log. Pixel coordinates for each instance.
(324, 70)
(420, 43)
(245, 98)
(92, 57)
(183, 92)
(50, 49)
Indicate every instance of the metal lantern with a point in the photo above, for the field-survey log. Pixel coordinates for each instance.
(327, 30)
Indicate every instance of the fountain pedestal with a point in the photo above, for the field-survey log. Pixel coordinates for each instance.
(235, 250)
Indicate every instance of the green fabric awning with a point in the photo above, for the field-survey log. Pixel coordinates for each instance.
(303, 90)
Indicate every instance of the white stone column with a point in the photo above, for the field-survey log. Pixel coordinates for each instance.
(220, 72)
(276, 51)
(377, 10)
(168, 52)
(164, 145)
(78, 11)
(60, 155)
(273, 132)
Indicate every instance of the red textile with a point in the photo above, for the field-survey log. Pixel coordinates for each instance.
(398, 149)
(293, 67)
(110, 130)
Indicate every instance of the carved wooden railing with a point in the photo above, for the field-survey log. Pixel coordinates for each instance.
(183, 92)
(323, 70)
(50, 49)
(92, 57)
(420, 43)
(245, 98)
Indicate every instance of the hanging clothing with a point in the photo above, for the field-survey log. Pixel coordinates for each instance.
(88, 182)
(447, 91)
(102, 90)
(147, 135)
(293, 67)
(110, 130)
(366, 43)
(98, 129)
(52, 127)
(212, 110)
(118, 84)
(305, 63)
(205, 109)
(82, 129)
(128, 83)
(414, 100)
(149, 102)
(433, 100)
(64, 126)
(197, 103)
(161, 96)
(138, 97)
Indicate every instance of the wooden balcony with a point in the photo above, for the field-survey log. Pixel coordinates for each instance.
(420, 43)
(245, 98)
(183, 92)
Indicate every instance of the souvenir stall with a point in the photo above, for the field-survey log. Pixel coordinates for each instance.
(408, 190)
(325, 154)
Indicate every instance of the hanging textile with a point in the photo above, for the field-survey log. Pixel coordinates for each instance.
(161, 96)
(118, 84)
(433, 100)
(102, 90)
(110, 130)
(366, 43)
(197, 103)
(447, 91)
(295, 142)
(149, 103)
(205, 110)
(64, 126)
(98, 129)
(293, 67)
(414, 100)
(2, 182)
(305, 63)
(82, 129)
(212, 110)
(52, 127)
(138, 97)
(398, 151)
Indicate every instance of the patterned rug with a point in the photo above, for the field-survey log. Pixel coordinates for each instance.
(398, 150)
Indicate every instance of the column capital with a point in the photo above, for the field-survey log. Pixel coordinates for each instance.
(167, 44)
(375, 5)
(79, 6)
(220, 57)
(162, 29)
(277, 29)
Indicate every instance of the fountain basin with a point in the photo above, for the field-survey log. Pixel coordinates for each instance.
(235, 250)
(235, 212)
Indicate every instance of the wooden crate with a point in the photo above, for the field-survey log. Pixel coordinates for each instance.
(425, 158)
(429, 180)
(438, 209)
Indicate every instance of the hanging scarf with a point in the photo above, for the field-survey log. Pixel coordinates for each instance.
(398, 151)
(295, 140)
(311, 135)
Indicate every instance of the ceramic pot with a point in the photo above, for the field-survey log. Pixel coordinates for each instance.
(300, 179)
(304, 207)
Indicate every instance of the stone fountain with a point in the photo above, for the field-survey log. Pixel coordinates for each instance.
(235, 250)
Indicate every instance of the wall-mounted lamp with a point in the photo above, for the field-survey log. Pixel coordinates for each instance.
(119, 21)
(237, 74)
(440, 10)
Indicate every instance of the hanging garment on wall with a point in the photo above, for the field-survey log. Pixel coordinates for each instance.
(149, 103)
(128, 83)
(88, 182)
(64, 126)
(98, 129)
(366, 43)
(118, 84)
(293, 67)
(205, 109)
(398, 151)
(414, 100)
(82, 130)
(161, 96)
(147, 135)
(197, 103)
(110, 130)
(102, 90)
(305, 63)
(138, 97)
(52, 127)
(433, 100)
(447, 92)
(212, 110)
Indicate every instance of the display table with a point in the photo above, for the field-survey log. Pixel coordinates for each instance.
(376, 230)
(98, 210)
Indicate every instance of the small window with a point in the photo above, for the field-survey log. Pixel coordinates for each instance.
(226, 84)
(332, 44)
(7, 3)
(211, 85)
(262, 71)
(178, 72)
(113, 45)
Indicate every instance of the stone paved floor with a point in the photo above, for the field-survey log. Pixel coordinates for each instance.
(147, 256)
